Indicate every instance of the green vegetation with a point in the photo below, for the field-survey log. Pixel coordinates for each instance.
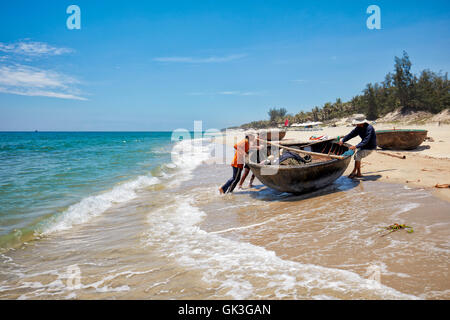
(428, 92)
(396, 227)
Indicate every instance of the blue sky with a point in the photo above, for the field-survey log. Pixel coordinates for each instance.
(160, 65)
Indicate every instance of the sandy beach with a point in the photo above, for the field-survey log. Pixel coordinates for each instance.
(336, 226)
(424, 167)
(119, 177)
(168, 234)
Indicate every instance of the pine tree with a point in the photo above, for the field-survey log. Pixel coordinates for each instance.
(404, 80)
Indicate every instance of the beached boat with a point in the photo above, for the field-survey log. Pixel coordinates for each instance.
(272, 135)
(305, 178)
(400, 139)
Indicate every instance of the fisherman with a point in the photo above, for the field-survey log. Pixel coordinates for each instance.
(365, 147)
(247, 167)
(244, 176)
(242, 148)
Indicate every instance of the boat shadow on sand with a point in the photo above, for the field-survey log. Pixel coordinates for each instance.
(342, 184)
(419, 148)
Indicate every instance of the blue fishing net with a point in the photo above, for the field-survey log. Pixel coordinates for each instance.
(348, 153)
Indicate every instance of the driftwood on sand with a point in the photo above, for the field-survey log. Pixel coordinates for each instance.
(392, 155)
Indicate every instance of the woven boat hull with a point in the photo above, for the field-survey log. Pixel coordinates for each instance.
(302, 179)
(400, 139)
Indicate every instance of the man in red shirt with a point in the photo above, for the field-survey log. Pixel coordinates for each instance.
(247, 168)
(242, 149)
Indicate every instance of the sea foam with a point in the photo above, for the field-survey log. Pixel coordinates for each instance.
(186, 156)
(246, 271)
(93, 206)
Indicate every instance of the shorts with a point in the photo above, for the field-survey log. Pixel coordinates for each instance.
(361, 153)
(246, 166)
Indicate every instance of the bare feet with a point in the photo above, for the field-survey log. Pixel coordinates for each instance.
(250, 186)
(351, 176)
(240, 186)
(220, 190)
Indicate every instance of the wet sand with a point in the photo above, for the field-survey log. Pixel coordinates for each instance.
(341, 227)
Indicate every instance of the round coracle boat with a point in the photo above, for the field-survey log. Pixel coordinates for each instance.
(400, 139)
(308, 177)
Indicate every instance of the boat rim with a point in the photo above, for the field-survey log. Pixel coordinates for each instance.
(400, 130)
(306, 166)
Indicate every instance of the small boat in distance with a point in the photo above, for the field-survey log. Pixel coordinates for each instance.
(308, 177)
(400, 139)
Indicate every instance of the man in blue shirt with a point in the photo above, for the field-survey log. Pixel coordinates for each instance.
(365, 147)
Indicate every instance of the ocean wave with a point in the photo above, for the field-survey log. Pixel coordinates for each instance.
(186, 156)
(92, 206)
(59, 285)
(246, 271)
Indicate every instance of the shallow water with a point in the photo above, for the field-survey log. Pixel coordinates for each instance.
(51, 180)
(178, 239)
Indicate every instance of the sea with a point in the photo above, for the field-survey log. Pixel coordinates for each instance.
(138, 215)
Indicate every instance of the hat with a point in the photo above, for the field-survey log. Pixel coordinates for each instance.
(359, 119)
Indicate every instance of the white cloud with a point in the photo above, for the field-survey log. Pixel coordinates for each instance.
(229, 93)
(250, 93)
(40, 93)
(200, 60)
(30, 81)
(32, 48)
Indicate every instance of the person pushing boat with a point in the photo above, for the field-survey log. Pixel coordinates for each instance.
(242, 148)
(252, 155)
(365, 147)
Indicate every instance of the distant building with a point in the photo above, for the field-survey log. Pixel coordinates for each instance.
(307, 125)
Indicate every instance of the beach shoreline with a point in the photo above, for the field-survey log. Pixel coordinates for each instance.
(178, 239)
(424, 167)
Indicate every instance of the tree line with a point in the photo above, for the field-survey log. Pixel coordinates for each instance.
(429, 91)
